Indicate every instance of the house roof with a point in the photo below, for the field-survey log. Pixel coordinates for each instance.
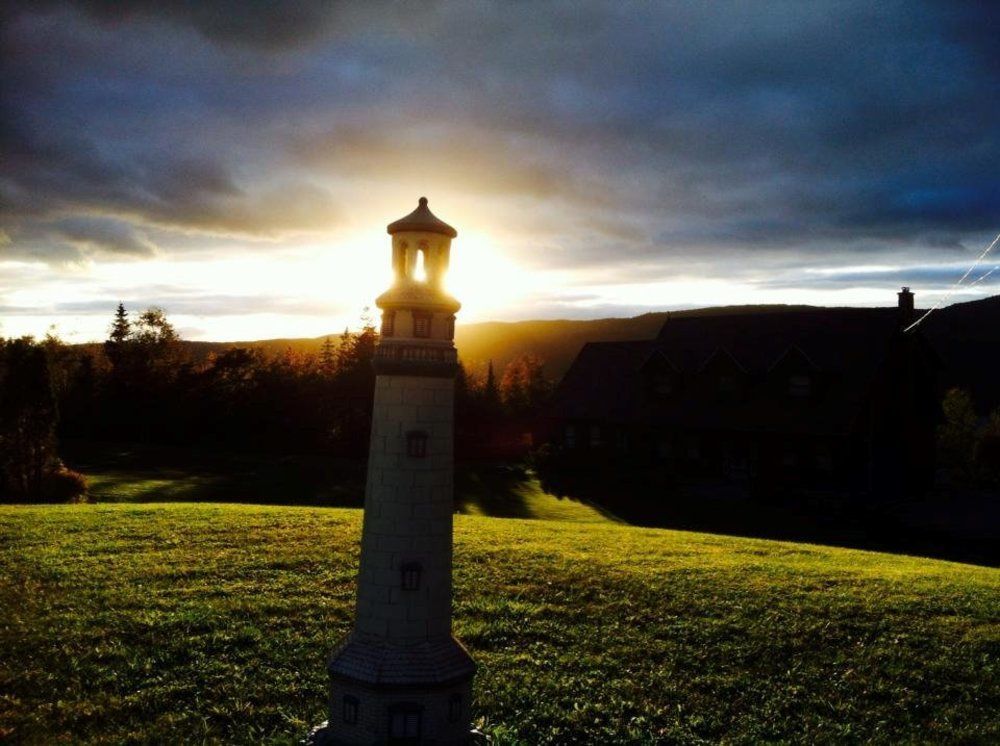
(845, 348)
(603, 383)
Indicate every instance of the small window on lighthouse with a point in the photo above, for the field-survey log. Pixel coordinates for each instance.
(411, 576)
(350, 710)
(388, 323)
(416, 444)
(405, 723)
(421, 324)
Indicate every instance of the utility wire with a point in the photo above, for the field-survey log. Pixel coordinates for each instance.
(954, 287)
(983, 277)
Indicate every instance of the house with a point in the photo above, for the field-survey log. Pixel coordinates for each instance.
(826, 398)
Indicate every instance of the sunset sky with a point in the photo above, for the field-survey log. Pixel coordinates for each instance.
(237, 163)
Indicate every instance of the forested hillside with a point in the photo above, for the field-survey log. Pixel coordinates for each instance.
(963, 333)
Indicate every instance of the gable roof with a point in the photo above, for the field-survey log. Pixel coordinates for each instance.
(603, 383)
(834, 339)
(847, 346)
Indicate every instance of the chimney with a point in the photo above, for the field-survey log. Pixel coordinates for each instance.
(906, 313)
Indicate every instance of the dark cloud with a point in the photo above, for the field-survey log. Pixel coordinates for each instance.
(95, 235)
(657, 134)
(253, 23)
(43, 180)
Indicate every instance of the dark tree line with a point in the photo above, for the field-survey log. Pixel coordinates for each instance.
(143, 385)
(30, 468)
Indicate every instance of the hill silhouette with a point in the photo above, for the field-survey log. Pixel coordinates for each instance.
(966, 336)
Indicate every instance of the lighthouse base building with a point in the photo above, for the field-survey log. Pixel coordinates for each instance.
(401, 677)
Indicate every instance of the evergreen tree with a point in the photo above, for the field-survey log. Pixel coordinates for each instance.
(328, 358)
(491, 391)
(118, 337)
(345, 350)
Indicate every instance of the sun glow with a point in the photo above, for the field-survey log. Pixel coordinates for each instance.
(487, 282)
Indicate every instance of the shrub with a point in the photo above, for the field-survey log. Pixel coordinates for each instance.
(64, 485)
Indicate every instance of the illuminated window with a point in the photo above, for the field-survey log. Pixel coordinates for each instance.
(411, 576)
(416, 444)
(421, 325)
(388, 323)
(350, 710)
(405, 723)
(454, 708)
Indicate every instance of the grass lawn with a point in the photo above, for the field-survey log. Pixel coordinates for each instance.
(150, 623)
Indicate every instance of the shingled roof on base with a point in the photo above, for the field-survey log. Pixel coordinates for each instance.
(422, 219)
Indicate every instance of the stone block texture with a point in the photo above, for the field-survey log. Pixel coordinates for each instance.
(401, 676)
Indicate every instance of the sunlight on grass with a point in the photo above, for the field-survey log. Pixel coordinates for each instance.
(126, 486)
(169, 623)
(525, 498)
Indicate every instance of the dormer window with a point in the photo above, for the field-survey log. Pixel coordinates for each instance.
(659, 374)
(799, 386)
(388, 323)
(663, 385)
(421, 324)
(416, 444)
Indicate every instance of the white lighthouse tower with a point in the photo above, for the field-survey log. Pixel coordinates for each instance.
(400, 676)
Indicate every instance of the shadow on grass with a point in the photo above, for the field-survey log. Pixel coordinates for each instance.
(647, 495)
(492, 489)
(138, 473)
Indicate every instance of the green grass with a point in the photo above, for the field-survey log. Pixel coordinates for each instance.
(211, 623)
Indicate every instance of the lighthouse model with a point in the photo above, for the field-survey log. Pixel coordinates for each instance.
(400, 676)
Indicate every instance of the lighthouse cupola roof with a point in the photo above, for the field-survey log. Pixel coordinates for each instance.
(422, 219)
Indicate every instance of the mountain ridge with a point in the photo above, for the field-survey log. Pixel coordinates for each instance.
(962, 332)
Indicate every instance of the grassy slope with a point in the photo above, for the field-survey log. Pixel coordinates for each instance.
(170, 623)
